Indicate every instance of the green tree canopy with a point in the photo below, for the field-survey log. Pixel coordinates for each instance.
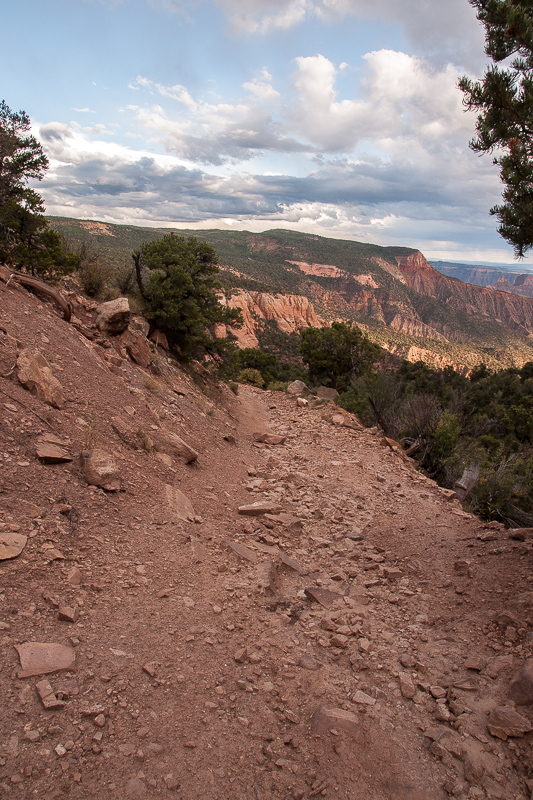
(336, 355)
(176, 278)
(504, 99)
(26, 239)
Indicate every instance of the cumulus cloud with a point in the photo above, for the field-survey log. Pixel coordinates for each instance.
(403, 104)
(390, 164)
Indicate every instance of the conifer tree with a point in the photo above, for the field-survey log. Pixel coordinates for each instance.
(177, 280)
(504, 99)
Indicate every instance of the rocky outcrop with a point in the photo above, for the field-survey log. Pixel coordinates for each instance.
(291, 313)
(508, 309)
(414, 327)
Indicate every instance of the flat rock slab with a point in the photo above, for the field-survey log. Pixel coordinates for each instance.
(505, 722)
(288, 521)
(42, 658)
(269, 438)
(11, 544)
(325, 718)
(291, 563)
(324, 597)
(52, 453)
(257, 509)
(179, 503)
(242, 551)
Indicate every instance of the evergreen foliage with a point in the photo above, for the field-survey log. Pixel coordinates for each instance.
(26, 240)
(176, 278)
(452, 421)
(504, 99)
(338, 354)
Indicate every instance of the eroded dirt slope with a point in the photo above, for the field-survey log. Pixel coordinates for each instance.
(353, 644)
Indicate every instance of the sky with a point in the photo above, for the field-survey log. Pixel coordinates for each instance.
(335, 117)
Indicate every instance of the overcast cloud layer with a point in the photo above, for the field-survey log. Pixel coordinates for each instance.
(337, 117)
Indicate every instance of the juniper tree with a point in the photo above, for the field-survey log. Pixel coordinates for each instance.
(177, 280)
(504, 99)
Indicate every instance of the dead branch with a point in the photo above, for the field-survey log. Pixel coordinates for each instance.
(33, 283)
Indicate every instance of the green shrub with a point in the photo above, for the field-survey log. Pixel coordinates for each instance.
(277, 386)
(252, 376)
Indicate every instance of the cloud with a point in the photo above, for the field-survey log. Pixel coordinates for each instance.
(448, 31)
(388, 164)
(218, 133)
(404, 104)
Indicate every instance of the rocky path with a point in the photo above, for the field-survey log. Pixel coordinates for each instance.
(360, 641)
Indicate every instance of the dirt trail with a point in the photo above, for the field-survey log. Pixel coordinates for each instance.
(351, 645)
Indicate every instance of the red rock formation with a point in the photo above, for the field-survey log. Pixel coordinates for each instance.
(414, 327)
(509, 309)
(290, 312)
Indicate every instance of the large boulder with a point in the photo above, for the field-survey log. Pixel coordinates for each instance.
(171, 444)
(326, 393)
(298, 388)
(100, 469)
(34, 373)
(114, 316)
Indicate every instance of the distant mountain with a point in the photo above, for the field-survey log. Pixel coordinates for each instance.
(506, 279)
(286, 280)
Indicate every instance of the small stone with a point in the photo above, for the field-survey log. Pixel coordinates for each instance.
(113, 316)
(135, 787)
(100, 469)
(476, 663)
(309, 662)
(142, 733)
(74, 577)
(438, 692)
(32, 736)
(326, 718)
(241, 655)
(68, 613)
(151, 668)
(171, 783)
(99, 721)
(407, 686)
(291, 716)
(269, 438)
(363, 699)
(48, 698)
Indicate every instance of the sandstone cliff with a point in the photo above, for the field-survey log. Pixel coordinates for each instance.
(291, 313)
(511, 310)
